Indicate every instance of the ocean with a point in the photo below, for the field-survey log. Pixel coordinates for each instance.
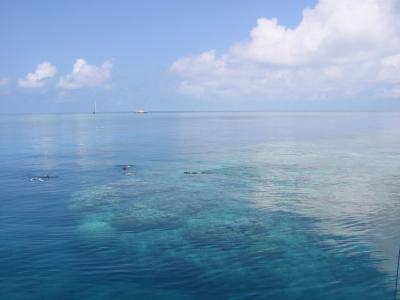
(199, 205)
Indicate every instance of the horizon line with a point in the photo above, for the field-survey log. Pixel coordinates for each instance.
(201, 111)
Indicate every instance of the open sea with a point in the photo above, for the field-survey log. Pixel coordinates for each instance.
(199, 206)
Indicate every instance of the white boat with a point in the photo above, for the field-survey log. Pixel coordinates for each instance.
(140, 111)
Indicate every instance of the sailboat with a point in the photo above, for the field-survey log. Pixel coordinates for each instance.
(94, 108)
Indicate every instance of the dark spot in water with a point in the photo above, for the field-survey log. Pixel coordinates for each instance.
(42, 178)
(196, 173)
(190, 173)
(125, 167)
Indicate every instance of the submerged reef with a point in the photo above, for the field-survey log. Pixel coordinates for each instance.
(223, 229)
(232, 232)
(108, 195)
(144, 218)
(96, 229)
(158, 210)
(98, 196)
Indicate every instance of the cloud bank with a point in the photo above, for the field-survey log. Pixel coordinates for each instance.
(44, 70)
(86, 75)
(341, 48)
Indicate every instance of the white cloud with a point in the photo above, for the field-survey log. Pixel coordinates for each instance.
(86, 75)
(340, 48)
(390, 69)
(392, 92)
(44, 70)
(3, 81)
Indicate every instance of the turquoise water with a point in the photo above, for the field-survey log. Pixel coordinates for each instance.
(199, 206)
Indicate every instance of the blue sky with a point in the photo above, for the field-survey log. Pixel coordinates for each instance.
(196, 55)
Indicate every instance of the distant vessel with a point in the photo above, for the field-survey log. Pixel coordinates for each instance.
(94, 108)
(140, 111)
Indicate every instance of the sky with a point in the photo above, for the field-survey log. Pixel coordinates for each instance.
(254, 55)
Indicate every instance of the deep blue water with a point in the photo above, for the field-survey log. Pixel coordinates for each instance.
(199, 206)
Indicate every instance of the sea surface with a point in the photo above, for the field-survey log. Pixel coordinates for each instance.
(199, 206)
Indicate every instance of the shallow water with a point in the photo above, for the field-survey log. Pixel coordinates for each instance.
(199, 206)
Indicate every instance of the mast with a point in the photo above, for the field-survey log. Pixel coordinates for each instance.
(94, 110)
